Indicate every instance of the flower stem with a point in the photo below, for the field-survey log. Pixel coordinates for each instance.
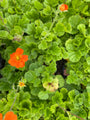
(56, 15)
(4, 23)
(14, 100)
(70, 113)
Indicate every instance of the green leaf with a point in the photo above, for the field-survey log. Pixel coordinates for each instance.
(75, 20)
(1, 19)
(5, 86)
(26, 48)
(73, 78)
(64, 53)
(53, 108)
(3, 34)
(72, 95)
(38, 5)
(3, 102)
(64, 91)
(87, 0)
(87, 43)
(68, 27)
(36, 82)
(17, 30)
(9, 50)
(61, 116)
(30, 28)
(88, 92)
(60, 80)
(82, 28)
(11, 11)
(43, 45)
(88, 60)
(4, 3)
(77, 41)
(69, 44)
(75, 3)
(32, 14)
(33, 66)
(51, 68)
(52, 3)
(85, 10)
(78, 100)
(23, 22)
(88, 89)
(59, 29)
(11, 96)
(80, 112)
(34, 53)
(29, 39)
(43, 95)
(24, 95)
(30, 76)
(57, 98)
(54, 50)
(24, 113)
(78, 5)
(47, 113)
(89, 114)
(47, 10)
(35, 91)
(27, 104)
(74, 56)
(12, 21)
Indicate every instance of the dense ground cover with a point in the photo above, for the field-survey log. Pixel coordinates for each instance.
(45, 59)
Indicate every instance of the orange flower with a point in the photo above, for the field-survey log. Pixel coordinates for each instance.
(17, 59)
(63, 7)
(9, 116)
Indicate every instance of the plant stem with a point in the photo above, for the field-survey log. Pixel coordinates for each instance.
(14, 100)
(13, 103)
(4, 24)
(56, 14)
(70, 113)
(53, 21)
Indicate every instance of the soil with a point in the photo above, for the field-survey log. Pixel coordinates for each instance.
(2, 62)
(61, 68)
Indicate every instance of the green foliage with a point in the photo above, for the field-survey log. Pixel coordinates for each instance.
(87, 43)
(4, 86)
(38, 5)
(59, 29)
(43, 95)
(52, 2)
(46, 35)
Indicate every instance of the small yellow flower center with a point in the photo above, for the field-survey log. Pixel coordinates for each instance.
(21, 84)
(17, 57)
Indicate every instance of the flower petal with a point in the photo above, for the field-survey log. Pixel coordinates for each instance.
(19, 51)
(1, 117)
(12, 55)
(12, 62)
(10, 116)
(24, 58)
(63, 7)
(20, 64)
